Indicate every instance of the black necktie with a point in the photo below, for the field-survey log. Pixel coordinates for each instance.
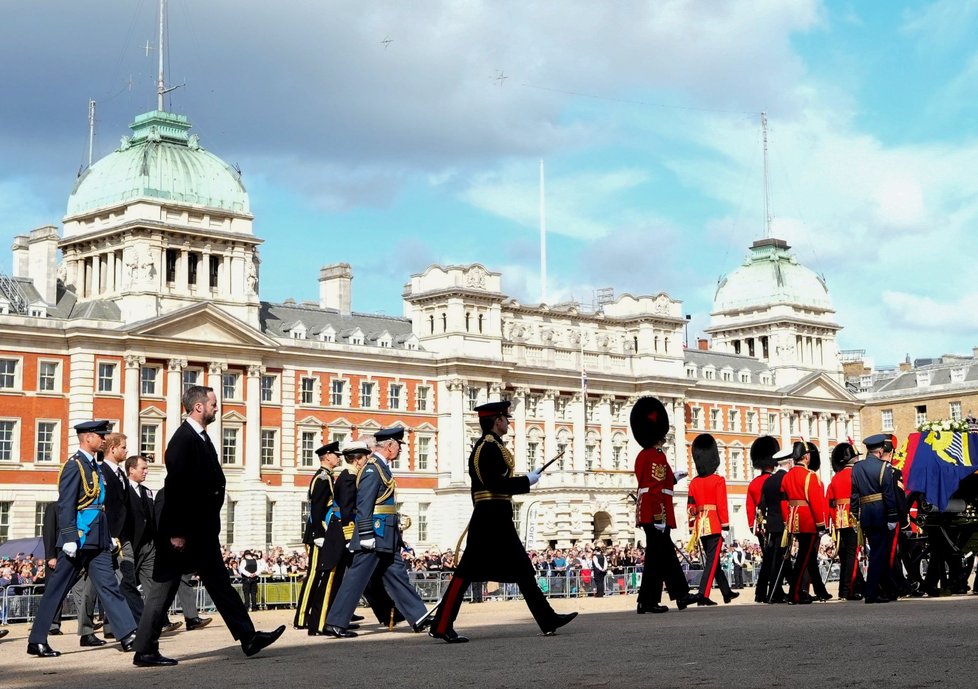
(144, 496)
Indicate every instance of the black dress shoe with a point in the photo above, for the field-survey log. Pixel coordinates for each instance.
(425, 621)
(824, 596)
(55, 632)
(880, 599)
(260, 640)
(558, 622)
(728, 598)
(338, 632)
(153, 659)
(197, 623)
(450, 637)
(4, 632)
(356, 618)
(859, 596)
(657, 609)
(172, 627)
(353, 625)
(42, 651)
(687, 600)
(107, 635)
(705, 602)
(91, 641)
(128, 641)
(802, 600)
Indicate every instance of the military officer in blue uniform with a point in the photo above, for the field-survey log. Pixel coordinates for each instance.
(377, 543)
(874, 503)
(84, 543)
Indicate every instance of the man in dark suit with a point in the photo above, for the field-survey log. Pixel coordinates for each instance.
(874, 502)
(188, 535)
(85, 543)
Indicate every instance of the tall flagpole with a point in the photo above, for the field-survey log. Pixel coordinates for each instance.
(160, 83)
(543, 239)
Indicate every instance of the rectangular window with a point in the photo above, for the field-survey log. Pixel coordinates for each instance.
(148, 436)
(366, 394)
(193, 260)
(171, 265)
(423, 521)
(472, 398)
(772, 424)
(424, 452)
(229, 523)
(307, 448)
(230, 382)
(229, 446)
(47, 376)
(616, 455)
(532, 402)
(956, 411)
(39, 509)
(307, 388)
(46, 438)
(421, 398)
(106, 377)
(191, 377)
(697, 421)
(921, 414)
(715, 419)
(562, 452)
(886, 419)
(751, 422)
(8, 374)
(269, 520)
(336, 389)
(5, 508)
(214, 266)
(267, 388)
(7, 429)
(732, 420)
(267, 447)
(148, 379)
(338, 437)
(589, 457)
(532, 451)
(736, 459)
(394, 397)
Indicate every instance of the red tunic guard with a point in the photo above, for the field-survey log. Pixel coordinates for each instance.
(655, 483)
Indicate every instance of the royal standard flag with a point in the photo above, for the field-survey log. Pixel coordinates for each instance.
(934, 463)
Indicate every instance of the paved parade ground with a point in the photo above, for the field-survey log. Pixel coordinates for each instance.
(912, 643)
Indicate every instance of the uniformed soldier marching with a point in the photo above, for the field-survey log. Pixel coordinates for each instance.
(874, 502)
(806, 522)
(85, 543)
(493, 551)
(838, 495)
(775, 510)
(762, 457)
(323, 557)
(654, 510)
(377, 543)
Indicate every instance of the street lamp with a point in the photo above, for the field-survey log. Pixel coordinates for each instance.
(689, 317)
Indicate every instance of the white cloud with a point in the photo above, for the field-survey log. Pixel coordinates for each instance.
(958, 315)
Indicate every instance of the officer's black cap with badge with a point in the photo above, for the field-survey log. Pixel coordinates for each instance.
(392, 433)
(842, 455)
(500, 408)
(101, 428)
(875, 442)
(649, 421)
(762, 452)
(706, 454)
(332, 448)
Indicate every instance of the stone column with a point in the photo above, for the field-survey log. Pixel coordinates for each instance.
(677, 419)
(215, 369)
(204, 271)
(548, 414)
(785, 428)
(130, 391)
(183, 271)
(604, 418)
(110, 285)
(252, 456)
(632, 448)
(518, 411)
(174, 393)
(825, 472)
(96, 276)
(457, 452)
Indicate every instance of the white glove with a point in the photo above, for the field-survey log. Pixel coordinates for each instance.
(368, 543)
(534, 476)
(318, 542)
(661, 526)
(891, 525)
(70, 548)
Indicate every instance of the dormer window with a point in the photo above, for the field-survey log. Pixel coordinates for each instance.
(298, 331)
(957, 375)
(923, 379)
(327, 334)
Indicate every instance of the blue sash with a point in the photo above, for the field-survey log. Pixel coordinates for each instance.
(88, 515)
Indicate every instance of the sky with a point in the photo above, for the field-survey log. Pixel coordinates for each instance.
(394, 135)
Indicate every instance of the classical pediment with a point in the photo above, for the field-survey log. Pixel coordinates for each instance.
(819, 386)
(201, 324)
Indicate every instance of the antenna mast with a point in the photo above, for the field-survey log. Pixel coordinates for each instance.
(91, 129)
(543, 239)
(160, 83)
(767, 196)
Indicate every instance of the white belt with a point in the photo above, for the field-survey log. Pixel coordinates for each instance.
(642, 491)
(666, 491)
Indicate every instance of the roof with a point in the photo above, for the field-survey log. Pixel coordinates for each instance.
(278, 319)
(161, 160)
(722, 360)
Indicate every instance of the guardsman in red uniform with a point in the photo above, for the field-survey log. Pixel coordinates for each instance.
(842, 523)
(708, 520)
(762, 457)
(806, 522)
(654, 510)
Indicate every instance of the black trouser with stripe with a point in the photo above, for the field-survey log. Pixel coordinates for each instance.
(780, 557)
(317, 592)
(850, 578)
(711, 568)
(452, 600)
(803, 562)
(879, 540)
(661, 566)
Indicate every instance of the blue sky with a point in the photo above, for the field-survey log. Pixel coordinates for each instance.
(394, 155)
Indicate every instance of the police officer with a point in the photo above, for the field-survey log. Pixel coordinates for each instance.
(493, 551)
(321, 512)
(654, 510)
(83, 536)
(874, 502)
(377, 543)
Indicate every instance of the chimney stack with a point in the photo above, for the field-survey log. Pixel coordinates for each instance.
(42, 252)
(702, 344)
(336, 287)
(20, 255)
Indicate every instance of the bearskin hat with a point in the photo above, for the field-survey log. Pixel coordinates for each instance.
(842, 454)
(815, 459)
(649, 421)
(762, 452)
(706, 455)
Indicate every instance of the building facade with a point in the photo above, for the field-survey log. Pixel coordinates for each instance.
(157, 287)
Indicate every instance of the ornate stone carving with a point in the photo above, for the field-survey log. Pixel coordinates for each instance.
(476, 278)
(216, 368)
(134, 360)
(255, 370)
(455, 385)
(176, 364)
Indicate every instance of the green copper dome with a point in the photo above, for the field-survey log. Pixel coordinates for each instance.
(160, 161)
(771, 275)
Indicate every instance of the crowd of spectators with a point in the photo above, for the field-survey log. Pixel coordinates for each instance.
(21, 570)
